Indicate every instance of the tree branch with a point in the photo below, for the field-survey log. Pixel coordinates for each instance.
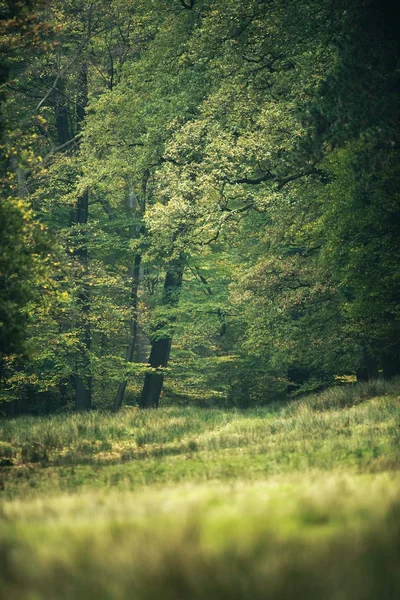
(253, 181)
(52, 88)
(281, 182)
(71, 141)
(189, 5)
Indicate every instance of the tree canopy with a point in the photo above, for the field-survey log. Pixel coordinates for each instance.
(200, 200)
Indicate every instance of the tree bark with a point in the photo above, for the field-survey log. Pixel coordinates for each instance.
(61, 115)
(79, 216)
(368, 371)
(161, 342)
(133, 330)
(82, 378)
(138, 207)
(391, 364)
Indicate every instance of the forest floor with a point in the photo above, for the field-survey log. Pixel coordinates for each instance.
(296, 500)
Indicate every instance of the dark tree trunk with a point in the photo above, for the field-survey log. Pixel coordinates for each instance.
(135, 207)
(362, 374)
(369, 368)
(81, 379)
(10, 410)
(83, 391)
(153, 382)
(62, 115)
(63, 390)
(391, 364)
(161, 342)
(133, 329)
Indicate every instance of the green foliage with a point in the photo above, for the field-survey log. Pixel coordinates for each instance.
(255, 142)
(15, 265)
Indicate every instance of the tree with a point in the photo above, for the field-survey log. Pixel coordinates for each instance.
(220, 182)
(20, 244)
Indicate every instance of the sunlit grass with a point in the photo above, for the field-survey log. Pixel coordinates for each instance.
(298, 500)
(335, 536)
(137, 448)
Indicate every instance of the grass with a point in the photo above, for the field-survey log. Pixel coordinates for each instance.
(288, 501)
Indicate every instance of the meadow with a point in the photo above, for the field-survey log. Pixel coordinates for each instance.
(292, 500)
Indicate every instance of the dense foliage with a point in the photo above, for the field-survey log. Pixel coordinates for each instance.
(200, 200)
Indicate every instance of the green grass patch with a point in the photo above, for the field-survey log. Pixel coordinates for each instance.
(331, 536)
(298, 500)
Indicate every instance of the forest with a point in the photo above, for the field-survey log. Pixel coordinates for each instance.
(199, 214)
(199, 201)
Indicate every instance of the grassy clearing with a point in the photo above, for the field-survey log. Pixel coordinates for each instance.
(340, 429)
(289, 501)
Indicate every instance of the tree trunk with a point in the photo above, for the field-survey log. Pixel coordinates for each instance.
(10, 409)
(391, 364)
(63, 391)
(79, 216)
(369, 368)
(133, 330)
(83, 392)
(161, 343)
(136, 207)
(82, 379)
(61, 115)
